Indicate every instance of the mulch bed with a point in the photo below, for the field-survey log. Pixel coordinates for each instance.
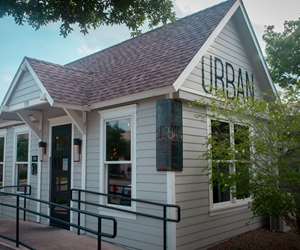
(261, 240)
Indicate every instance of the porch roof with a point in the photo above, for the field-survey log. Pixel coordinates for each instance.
(63, 84)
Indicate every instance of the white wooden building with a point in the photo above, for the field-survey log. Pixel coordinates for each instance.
(96, 122)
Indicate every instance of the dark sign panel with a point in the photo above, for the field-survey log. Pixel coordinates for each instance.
(169, 135)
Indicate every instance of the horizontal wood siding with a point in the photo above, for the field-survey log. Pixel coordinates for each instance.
(9, 178)
(135, 233)
(76, 173)
(25, 90)
(229, 47)
(34, 150)
(199, 228)
(9, 159)
(45, 171)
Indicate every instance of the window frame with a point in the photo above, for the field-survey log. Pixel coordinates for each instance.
(124, 112)
(215, 208)
(21, 131)
(3, 134)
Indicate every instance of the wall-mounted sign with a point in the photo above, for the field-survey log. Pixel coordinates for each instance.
(221, 76)
(34, 160)
(169, 135)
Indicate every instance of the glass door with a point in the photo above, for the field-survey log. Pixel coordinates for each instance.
(61, 173)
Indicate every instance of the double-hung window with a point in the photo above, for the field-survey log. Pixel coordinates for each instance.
(119, 155)
(22, 144)
(2, 150)
(230, 162)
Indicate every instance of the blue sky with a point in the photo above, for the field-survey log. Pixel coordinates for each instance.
(46, 43)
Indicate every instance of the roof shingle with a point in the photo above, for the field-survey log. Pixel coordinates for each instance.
(150, 61)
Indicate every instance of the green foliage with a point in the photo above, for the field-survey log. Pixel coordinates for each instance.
(271, 173)
(88, 14)
(283, 53)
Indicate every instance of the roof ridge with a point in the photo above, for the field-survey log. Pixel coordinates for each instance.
(42, 61)
(150, 31)
(61, 66)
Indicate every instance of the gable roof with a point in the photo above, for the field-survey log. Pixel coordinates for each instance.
(64, 84)
(154, 60)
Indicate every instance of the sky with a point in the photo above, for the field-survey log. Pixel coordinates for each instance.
(46, 43)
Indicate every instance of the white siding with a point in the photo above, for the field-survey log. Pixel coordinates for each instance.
(9, 166)
(45, 171)
(9, 158)
(230, 47)
(198, 227)
(25, 90)
(136, 233)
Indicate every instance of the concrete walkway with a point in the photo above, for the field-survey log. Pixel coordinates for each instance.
(43, 237)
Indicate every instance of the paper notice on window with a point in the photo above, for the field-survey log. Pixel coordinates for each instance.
(65, 164)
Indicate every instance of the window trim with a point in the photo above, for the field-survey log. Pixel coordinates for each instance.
(3, 134)
(114, 114)
(20, 131)
(233, 203)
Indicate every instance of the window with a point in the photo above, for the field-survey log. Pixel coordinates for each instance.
(2, 143)
(119, 166)
(22, 159)
(242, 160)
(230, 157)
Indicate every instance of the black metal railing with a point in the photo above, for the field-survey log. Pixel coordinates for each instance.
(25, 195)
(21, 189)
(164, 218)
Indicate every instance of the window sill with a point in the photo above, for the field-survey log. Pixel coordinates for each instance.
(229, 207)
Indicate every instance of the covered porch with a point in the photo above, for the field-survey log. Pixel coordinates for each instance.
(45, 138)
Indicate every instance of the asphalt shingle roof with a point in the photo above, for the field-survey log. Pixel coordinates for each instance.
(152, 60)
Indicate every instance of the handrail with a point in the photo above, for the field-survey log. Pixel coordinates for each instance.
(26, 188)
(27, 191)
(98, 233)
(163, 218)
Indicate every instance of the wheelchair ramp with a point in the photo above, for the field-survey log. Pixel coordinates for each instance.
(43, 237)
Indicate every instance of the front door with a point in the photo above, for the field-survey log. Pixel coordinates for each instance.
(61, 173)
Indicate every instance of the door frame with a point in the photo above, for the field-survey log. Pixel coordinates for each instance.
(54, 122)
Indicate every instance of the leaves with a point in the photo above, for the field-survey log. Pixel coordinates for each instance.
(283, 53)
(272, 173)
(89, 14)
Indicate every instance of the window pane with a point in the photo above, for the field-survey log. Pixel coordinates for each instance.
(242, 155)
(221, 193)
(1, 175)
(22, 148)
(1, 149)
(119, 183)
(22, 174)
(220, 140)
(242, 183)
(118, 140)
(241, 142)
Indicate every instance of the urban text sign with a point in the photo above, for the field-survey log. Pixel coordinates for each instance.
(221, 76)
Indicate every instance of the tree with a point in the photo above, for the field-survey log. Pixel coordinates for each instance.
(88, 14)
(265, 155)
(283, 53)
